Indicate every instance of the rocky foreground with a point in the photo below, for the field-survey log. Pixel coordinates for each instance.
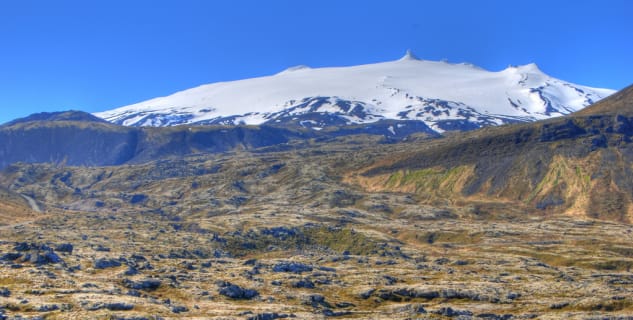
(274, 235)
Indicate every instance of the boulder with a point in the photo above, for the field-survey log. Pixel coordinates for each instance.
(315, 300)
(269, 316)
(236, 292)
(119, 306)
(303, 283)
(179, 309)
(65, 248)
(450, 312)
(47, 308)
(294, 267)
(104, 263)
(145, 284)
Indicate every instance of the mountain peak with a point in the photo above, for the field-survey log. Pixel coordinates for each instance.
(409, 55)
(530, 67)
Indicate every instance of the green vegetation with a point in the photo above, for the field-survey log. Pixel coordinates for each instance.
(437, 181)
(306, 239)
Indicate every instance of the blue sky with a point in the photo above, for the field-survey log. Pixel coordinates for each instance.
(98, 55)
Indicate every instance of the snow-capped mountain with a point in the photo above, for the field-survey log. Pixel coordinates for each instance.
(443, 95)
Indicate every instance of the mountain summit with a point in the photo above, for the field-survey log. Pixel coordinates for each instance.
(409, 55)
(444, 96)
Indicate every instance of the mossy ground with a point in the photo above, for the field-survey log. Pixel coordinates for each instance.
(205, 220)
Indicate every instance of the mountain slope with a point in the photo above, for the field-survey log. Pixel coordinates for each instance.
(14, 208)
(578, 164)
(442, 95)
(618, 103)
(80, 139)
(74, 138)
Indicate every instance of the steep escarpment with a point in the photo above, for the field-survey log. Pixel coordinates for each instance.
(77, 138)
(70, 142)
(160, 143)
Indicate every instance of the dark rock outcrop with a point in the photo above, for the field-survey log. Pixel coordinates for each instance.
(145, 284)
(179, 309)
(316, 301)
(65, 248)
(47, 308)
(119, 306)
(4, 292)
(42, 257)
(104, 263)
(303, 283)
(450, 312)
(406, 294)
(236, 292)
(38, 254)
(294, 267)
(112, 306)
(269, 316)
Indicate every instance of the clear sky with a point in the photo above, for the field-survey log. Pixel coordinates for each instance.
(101, 54)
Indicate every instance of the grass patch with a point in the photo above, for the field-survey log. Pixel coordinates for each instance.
(606, 305)
(614, 265)
(463, 237)
(565, 176)
(312, 238)
(434, 180)
(623, 251)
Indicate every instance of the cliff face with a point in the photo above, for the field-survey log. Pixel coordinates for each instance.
(76, 138)
(73, 143)
(157, 143)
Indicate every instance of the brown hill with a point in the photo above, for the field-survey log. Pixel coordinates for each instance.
(579, 164)
(618, 103)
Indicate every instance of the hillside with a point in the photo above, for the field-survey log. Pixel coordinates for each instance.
(77, 138)
(72, 141)
(14, 208)
(619, 103)
(578, 165)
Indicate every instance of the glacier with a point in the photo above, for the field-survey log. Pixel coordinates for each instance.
(444, 96)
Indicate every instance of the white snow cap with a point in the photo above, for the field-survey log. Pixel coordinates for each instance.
(404, 89)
